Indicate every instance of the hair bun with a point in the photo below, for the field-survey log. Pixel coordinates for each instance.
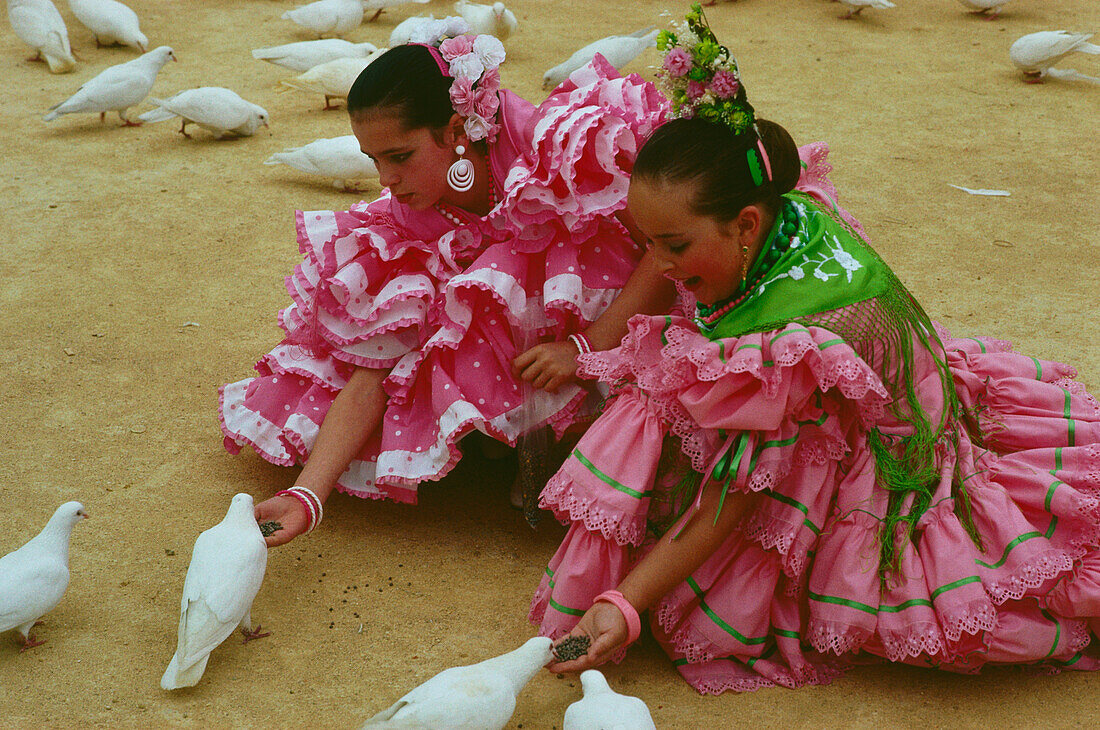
(782, 154)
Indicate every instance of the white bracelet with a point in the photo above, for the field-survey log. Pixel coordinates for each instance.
(319, 509)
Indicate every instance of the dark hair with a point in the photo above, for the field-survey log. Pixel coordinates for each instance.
(406, 80)
(711, 155)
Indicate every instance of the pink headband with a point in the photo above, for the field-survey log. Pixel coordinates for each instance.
(764, 156)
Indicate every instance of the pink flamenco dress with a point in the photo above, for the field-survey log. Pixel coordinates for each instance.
(913, 496)
(438, 296)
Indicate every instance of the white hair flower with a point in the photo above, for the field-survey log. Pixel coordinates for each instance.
(489, 50)
(467, 67)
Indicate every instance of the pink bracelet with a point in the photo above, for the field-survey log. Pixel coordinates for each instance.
(311, 514)
(583, 345)
(633, 620)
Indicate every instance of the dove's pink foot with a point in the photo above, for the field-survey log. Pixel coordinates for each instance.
(328, 104)
(183, 130)
(257, 633)
(375, 16)
(102, 117)
(130, 123)
(36, 58)
(30, 643)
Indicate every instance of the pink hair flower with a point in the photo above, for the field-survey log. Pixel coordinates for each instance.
(677, 62)
(462, 96)
(478, 127)
(724, 84)
(490, 80)
(696, 89)
(486, 102)
(452, 48)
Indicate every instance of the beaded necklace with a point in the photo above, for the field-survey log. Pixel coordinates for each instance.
(778, 243)
(449, 213)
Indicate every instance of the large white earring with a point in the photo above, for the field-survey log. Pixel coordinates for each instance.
(460, 175)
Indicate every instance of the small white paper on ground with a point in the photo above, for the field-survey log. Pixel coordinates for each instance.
(1001, 193)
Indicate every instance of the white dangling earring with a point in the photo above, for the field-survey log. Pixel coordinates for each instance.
(460, 176)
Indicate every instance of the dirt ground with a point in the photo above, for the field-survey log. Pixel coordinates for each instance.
(142, 269)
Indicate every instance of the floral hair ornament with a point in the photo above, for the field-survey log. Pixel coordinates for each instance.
(700, 78)
(473, 62)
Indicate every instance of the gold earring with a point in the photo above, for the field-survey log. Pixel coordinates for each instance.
(744, 263)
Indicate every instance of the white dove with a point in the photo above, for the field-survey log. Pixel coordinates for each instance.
(38, 24)
(338, 158)
(495, 19)
(110, 22)
(34, 578)
(332, 79)
(219, 110)
(858, 6)
(334, 17)
(619, 50)
(117, 88)
(379, 5)
(403, 31)
(476, 697)
(226, 570)
(977, 7)
(1035, 53)
(605, 709)
(304, 55)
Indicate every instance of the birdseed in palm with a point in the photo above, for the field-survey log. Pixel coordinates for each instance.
(572, 648)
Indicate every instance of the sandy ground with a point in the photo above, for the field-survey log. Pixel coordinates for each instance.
(141, 270)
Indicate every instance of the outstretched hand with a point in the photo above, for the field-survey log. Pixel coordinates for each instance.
(605, 627)
(288, 512)
(547, 366)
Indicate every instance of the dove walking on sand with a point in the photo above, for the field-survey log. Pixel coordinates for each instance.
(328, 17)
(619, 50)
(1036, 53)
(379, 5)
(38, 24)
(117, 88)
(496, 19)
(991, 8)
(214, 108)
(858, 6)
(34, 578)
(338, 158)
(476, 697)
(226, 570)
(332, 79)
(605, 709)
(111, 22)
(304, 55)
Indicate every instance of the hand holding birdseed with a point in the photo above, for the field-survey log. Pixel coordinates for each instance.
(597, 636)
(287, 513)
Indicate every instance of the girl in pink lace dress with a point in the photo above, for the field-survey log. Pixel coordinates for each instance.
(809, 472)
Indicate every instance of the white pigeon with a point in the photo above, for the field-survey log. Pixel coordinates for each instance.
(331, 17)
(338, 158)
(476, 697)
(38, 24)
(214, 108)
(332, 79)
(496, 19)
(858, 6)
(117, 88)
(110, 22)
(34, 578)
(403, 31)
(992, 7)
(1036, 53)
(379, 5)
(226, 570)
(619, 50)
(605, 709)
(304, 55)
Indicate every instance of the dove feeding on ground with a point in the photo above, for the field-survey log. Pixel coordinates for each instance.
(111, 22)
(332, 79)
(214, 108)
(991, 7)
(328, 17)
(34, 578)
(226, 570)
(116, 88)
(304, 55)
(379, 5)
(495, 20)
(39, 24)
(858, 6)
(338, 158)
(619, 50)
(480, 696)
(605, 709)
(1036, 53)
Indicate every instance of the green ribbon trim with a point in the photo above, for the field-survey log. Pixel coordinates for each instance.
(564, 609)
(1071, 436)
(1050, 528)
(1050, 494)
(1071, 661)
(1038, 368)
(980, 343)
(797, 505)
(955, 584)
(883, 608)
(1057, 631)
(718, 619)
(1008, 548)
(754, 167)
(1057, 459)
(605, 478)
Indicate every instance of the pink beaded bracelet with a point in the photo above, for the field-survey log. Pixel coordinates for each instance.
(633, 620)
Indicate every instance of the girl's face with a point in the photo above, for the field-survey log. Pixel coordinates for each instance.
(697, 250)
(412, 163)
